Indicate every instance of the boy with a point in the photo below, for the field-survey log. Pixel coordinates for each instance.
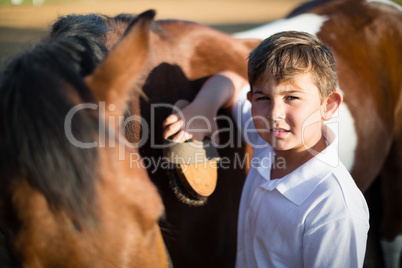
(299, 207)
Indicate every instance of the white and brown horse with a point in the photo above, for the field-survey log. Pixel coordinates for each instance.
(366, 39)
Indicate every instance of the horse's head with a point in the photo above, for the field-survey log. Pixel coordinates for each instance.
(72, 193)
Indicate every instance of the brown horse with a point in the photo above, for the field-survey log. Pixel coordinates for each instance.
(70, 197)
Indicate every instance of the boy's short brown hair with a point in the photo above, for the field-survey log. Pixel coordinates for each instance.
(284, 55)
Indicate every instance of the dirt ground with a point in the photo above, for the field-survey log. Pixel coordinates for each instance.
(23, 25)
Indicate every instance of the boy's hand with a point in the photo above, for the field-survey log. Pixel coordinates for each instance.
(195, 122)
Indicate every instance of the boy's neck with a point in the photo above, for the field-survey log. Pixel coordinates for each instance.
(292, 159)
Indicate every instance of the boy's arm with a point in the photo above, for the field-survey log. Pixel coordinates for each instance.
(196, 121)
(340, 243)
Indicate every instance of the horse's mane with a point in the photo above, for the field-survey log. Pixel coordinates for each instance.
(91, 27)
(37, 90)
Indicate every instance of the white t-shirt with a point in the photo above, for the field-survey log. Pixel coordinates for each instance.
(313, 217)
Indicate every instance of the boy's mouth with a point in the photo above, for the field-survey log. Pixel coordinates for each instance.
(279, 132)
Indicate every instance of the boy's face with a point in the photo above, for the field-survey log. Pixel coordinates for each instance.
(288, 115)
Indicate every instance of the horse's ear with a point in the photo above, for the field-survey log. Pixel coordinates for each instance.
(115, 76)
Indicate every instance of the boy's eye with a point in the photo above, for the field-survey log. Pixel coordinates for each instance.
(263, 98)
(291, 98)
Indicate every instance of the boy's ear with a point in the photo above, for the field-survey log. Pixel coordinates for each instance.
(333, 102)
(249, 96)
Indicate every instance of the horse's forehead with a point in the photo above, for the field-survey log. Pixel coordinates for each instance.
(136, 188)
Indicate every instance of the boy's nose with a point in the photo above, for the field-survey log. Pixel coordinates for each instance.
(277, 112)
(279, 117)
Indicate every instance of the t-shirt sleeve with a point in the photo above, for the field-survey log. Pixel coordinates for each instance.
(340, 243)
(241, 112)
